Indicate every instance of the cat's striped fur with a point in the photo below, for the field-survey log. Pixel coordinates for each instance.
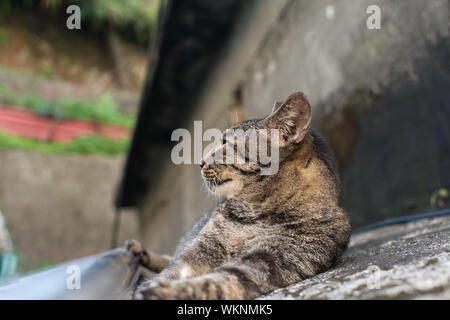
(270, 231)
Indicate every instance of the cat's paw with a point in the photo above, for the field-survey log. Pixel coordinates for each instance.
(134, 247)
(164, 290)
(137, 250)
(153, 290)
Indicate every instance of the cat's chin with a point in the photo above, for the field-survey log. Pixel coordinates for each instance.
(227, 188)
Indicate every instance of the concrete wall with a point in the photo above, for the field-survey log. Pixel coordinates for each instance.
(379, 96)
(371, 93)
(59, 207)
(5, 239)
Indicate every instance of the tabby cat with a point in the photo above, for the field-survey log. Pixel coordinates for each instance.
(271, 230)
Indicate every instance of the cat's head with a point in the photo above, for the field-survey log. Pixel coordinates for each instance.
(243, 179)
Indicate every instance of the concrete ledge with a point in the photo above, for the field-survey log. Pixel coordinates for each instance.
(409, 261)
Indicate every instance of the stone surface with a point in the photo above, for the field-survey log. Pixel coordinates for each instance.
(409, 261)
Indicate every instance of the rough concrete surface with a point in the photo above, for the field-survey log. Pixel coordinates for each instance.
(409, 261)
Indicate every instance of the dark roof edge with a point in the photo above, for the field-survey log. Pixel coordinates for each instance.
(154, 55)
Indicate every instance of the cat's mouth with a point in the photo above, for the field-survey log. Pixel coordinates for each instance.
(221, 182)
(218, 182)
(225, 184)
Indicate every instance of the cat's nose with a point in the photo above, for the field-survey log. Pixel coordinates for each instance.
(202, 164)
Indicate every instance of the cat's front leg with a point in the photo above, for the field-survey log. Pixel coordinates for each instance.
(179, 270)
(243, 279)
(207, 287)
(150, 260)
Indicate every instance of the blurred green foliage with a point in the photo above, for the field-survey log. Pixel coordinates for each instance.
(137, 16)
(4, 36)
(82, 145)
(140, 14)
(100, 110)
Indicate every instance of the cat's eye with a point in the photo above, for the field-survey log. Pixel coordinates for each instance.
(224, 140)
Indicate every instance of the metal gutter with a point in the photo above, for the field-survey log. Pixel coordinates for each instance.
(106, 276)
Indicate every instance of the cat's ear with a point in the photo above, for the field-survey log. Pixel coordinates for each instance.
(292, 118)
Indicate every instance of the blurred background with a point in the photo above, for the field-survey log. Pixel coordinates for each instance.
(86, 115)
(68, 104)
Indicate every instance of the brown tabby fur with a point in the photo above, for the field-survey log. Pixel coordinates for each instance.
(270, 231)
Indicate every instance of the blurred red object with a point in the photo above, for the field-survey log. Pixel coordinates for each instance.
(27, 124)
